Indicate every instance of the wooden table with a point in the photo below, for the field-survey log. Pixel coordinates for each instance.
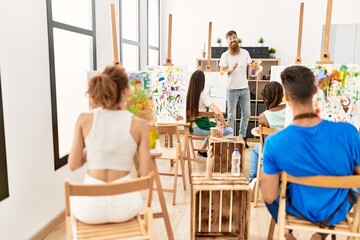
(164, 212)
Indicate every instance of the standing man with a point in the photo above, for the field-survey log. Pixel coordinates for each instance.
(235, 62)
(309, 146)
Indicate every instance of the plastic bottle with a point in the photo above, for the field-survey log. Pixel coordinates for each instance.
(235, 163)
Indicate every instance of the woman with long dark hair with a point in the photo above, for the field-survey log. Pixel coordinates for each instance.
(199, 101)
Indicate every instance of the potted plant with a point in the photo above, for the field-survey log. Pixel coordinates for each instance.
(261, 41)
(239, 41)
(272, 52)
(219, 40)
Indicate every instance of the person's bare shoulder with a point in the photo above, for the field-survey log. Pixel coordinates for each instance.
(140, 124)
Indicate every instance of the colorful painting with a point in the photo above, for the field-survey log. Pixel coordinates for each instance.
(216, 87)
(140, 102)
(338, 95)
(169, 87)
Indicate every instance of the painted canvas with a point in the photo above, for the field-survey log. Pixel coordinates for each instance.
(169, 88)
(338, 95)
(140, 101)
(215, 87)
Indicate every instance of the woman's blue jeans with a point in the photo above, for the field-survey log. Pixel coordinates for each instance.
(254, 158)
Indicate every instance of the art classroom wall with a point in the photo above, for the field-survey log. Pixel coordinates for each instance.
(276, 21)
(36, 190)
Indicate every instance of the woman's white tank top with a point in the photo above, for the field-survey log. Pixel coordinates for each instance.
(109, 144)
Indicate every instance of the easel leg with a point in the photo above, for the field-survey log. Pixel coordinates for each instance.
(164, 214)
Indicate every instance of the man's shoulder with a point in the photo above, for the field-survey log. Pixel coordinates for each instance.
(340, 126)
(244, 50)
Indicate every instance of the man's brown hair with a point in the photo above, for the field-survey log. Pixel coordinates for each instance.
(231, 32)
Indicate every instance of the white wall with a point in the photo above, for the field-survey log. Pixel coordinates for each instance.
(36, 190)
(276, 21)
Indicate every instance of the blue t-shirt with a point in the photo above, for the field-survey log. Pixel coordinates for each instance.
(328, 148)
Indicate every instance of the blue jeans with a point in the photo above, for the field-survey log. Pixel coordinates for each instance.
(233, 97)
(198, 131)
(254, 158)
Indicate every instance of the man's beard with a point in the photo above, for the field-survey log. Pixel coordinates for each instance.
(234, 49)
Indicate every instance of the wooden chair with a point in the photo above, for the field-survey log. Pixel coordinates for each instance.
(135, 227)
(194, 137)
(173, 154)
(350, 227)
(263, 132)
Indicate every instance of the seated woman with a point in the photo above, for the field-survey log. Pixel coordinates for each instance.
(199, 101)
(273, 117)
(108, 138)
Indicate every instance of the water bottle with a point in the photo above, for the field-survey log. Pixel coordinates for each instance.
(235, 163)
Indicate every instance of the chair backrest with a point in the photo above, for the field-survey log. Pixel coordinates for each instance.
(133, 185)
(350, 228)
(169, 130)
(322, 181)
(264, 132)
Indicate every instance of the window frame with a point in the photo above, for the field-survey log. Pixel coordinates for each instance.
(59, 162)
(4, 184)
(128, 41)
(150, 46)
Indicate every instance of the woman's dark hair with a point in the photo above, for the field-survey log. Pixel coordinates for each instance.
(196, 86)
(298, 82)
(105, 89)
(272, 94)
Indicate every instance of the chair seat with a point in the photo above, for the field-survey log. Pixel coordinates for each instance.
(168, 153)
(131, 228)
(294, 223)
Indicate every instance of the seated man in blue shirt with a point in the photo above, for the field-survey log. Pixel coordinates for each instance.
(307, 147)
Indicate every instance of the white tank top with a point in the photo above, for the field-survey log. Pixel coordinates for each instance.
(109, 144)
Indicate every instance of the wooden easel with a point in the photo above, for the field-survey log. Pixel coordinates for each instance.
(301, 19)
(168, 59)
(325, 54)
(208, 64)
(114, 35)
(164, 212)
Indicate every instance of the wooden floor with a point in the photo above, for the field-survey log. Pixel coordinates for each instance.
(180, 214)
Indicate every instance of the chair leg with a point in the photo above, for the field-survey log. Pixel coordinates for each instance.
(182, 166)
(192, 148)
(271, 229)
(189, 166)
(176, 169)
(258, 178)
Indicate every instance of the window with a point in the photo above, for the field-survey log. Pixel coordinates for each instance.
(130, 34)
(72, 52)
(154, 32)
(4, 187)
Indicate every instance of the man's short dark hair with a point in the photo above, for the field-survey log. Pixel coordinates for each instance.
(231, 32)
(298, 81)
